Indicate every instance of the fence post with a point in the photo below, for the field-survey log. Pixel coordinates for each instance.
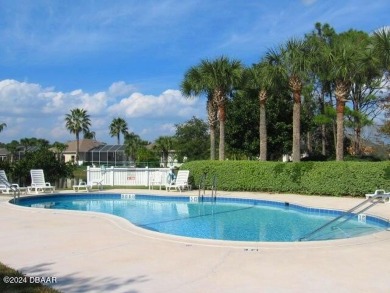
(112, 175)
(147, 175)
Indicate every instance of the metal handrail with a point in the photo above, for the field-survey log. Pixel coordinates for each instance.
(214, 188)
(202, 186)
(307, 236)
(361, 211)
(15, 190)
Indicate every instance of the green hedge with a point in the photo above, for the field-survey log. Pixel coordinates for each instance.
(312, 178)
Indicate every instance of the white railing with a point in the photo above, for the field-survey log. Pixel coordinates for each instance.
(115, 176)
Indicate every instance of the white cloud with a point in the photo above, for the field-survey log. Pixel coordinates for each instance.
(30, 110)
(169, 103)
(120, 88)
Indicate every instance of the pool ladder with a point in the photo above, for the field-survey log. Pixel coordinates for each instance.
(348, 215)
(203, 186)
(16, 191)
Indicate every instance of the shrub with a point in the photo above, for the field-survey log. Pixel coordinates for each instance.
(314, 178)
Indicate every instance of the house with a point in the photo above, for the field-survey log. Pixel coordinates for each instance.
(96, 153)
(85, 146)
(3, 154)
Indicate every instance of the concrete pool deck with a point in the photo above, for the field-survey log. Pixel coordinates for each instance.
(91, 252)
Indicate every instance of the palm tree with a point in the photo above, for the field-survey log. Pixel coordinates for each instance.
(260, 78)
(218, 80)
(194, 85)
(292, 61)
(90, 135)
(76, 122)
(164, 144)
(367, 78)
(118, 126)
(59, 149)
(381, 46)
(2, 126)
(132, 144)
(320, 39)
(344, 62)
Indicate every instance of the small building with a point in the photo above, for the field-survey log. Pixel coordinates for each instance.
(96, 153)
(3, 154)
(85, 146)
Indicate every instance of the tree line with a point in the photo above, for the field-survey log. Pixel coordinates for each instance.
(329, 81)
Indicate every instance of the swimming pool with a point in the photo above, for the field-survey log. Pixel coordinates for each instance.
(223, 219)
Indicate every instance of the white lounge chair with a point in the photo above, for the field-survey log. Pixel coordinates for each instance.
(82, 184)
(6, 187)
(38, 182)
(181, 181)
(379, 193)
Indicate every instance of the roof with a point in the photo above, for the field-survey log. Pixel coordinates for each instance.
(4, 152)
(85, 145)
(110, 148)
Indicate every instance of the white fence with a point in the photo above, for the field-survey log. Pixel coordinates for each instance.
(115, 176)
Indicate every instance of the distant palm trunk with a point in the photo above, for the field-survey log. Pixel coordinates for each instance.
(220, 101)
(212, 113)
(212, 143)
(341, 91)
(263, 126)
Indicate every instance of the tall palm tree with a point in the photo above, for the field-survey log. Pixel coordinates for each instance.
(344, 62)
(320, 39)
(76, 122)
(164, 144)
(218, 79)
(194, 85)
(292, 61)
(118, 126)
(2, 126)
(260, 78)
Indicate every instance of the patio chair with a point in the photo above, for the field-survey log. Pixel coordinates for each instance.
(156, 179)
(6, 187)
(82, 184)
(181, 181)
(38, 182)
(379, 193)
(98, 183)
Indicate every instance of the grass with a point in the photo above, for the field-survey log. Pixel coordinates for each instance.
(24, 285)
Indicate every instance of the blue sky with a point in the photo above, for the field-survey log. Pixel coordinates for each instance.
(126, 58)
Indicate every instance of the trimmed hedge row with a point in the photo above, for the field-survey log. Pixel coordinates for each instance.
(313, 178)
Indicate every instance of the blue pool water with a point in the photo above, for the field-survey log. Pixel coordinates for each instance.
(225, 219)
